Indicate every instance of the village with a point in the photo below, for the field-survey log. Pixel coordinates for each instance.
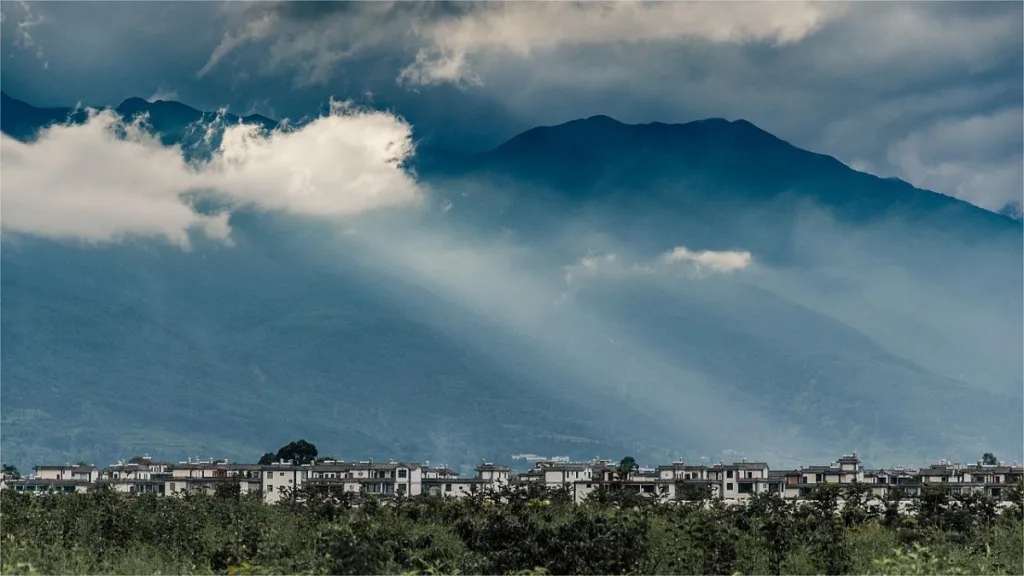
(670, 482)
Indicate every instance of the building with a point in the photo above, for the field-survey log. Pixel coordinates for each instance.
(676, 481)
(82, 472)
(387, 479)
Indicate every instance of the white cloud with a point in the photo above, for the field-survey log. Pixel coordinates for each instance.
(976, 158)
(86, 182)
(252, 31)
(447, 39)
(343, 163)
(163, 94)
(700, 264)
(710, 260)
(521, 28)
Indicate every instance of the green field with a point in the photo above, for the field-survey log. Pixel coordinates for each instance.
(527, 531)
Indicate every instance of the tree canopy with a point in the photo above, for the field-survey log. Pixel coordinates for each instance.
(626, 467)
(989, 459)
(11, 470)
(299, 452)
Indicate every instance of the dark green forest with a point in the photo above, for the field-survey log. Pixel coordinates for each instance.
(527, 530)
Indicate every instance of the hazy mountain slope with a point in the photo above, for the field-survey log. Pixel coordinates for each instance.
(876, 253)
(879, 317)
(226, 351)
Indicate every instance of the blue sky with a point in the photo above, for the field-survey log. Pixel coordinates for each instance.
(928, 92)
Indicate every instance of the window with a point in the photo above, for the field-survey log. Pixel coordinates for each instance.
(447, 487)
(172, 486)
(818, 478)
(270, 487)
(750, 474)
(728, 474)
(281, 474)
(746, 488)
(403, 473)
(663, 489)
(270, 473)
(728, 486)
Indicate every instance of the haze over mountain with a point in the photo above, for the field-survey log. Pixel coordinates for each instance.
(591, 288)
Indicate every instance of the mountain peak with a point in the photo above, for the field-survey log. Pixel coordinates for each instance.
(134, 102)
(601, 119)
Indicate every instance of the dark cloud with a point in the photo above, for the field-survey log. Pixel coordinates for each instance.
(871, 83)
(318, 11)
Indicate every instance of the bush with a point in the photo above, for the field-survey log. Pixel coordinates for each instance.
(529, 532)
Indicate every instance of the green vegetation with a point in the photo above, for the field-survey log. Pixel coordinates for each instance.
(528, 531)
(299, 452)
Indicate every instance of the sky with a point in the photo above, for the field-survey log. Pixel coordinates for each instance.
(927, 92)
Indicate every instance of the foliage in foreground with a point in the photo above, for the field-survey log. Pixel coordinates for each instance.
(529, 532)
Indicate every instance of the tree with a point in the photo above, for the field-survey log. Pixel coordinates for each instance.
(626, 467)
(299, 452)
(11, 470)
(989, 459)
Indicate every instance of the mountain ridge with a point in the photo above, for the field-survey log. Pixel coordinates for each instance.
(164, 114)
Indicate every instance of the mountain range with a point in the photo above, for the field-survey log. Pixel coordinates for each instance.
(534, 305)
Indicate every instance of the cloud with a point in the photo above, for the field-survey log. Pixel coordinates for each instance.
(523, 28)
(447, 37)
(104, 180)
(977, 158)
(23, 32)
(698, 264)
(722, 262)
(847, 79)
(84, 182)
(252, 31)
(163, 94)
(309, 40)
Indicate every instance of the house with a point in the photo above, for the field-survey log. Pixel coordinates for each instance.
(676, 481)
(438, 473)
(142, 476)
(992, 480)
(83, 472)
(489, 477)
(496, 474)
(386, 479)
(280, 479)
(37, 485)
(741, 479)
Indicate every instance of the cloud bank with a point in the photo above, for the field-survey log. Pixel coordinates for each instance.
(866, 82)
(522, 29)
(106, 179)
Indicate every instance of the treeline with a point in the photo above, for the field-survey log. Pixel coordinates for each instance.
(535, 530)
